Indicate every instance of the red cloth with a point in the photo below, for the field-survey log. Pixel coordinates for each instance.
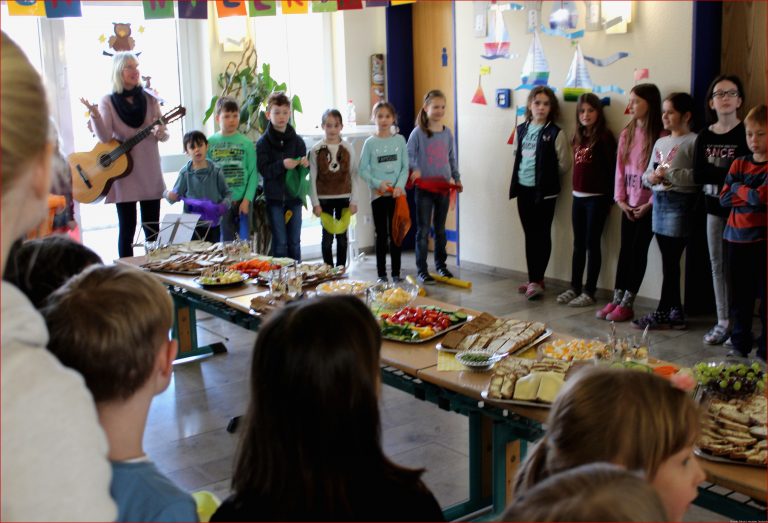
(438, 186)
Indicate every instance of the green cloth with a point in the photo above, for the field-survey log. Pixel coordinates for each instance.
(297, 183)
(236, 155)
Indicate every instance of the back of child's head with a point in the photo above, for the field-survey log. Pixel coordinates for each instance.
(331, 113)
(554, 106)
(683, 103)
(709, 111)
(757, 116)
(592, 492)
(193, 138)
(383, 105)
(652, 123)
(108, 323)
(39, 267)
(631, 418)
(326, 352)
(226, 104)
(277, 99)
(422, 119)
(597, 130)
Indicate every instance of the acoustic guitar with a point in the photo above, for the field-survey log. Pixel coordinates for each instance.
(93, 172)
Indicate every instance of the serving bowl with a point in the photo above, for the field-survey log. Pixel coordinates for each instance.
(390, 297)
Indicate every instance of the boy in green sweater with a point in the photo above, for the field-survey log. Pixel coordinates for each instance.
(236, 155)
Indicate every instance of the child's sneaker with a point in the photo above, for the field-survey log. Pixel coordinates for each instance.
(534, 290)
(653, 321)
(582, 300)
(620, 313)
(603, 313)
(522, 288)
(566, 297)
(677, 319)
(444, 272)
(426, 279)
(397, 279)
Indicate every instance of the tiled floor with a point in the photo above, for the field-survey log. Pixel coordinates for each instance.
(186, 433)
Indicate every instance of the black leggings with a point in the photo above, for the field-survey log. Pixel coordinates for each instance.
(126, 217)
(536, 219)
(383, 209)
(588, 219)
(671, 251)
(636, 237)
(748, 264)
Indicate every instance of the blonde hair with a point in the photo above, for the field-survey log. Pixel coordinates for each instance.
(422, 120)
(108, 323)
(635, 419)
(758, 115)
(24, 115)
(119, 61)
(592, 492)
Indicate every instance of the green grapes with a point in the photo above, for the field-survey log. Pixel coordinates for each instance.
(730, 378)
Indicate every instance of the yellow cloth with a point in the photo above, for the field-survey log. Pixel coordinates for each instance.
(446, 361)
(207, 503)
(334, 226)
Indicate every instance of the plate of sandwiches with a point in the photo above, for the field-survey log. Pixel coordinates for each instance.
(494, 335)
(734, 430)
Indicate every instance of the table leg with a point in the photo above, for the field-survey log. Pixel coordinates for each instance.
(185, 330)
(508, 453)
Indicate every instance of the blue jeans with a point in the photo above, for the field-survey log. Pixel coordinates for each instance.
(235, 221)
(427, 203)
(286, 237)
(588, 216)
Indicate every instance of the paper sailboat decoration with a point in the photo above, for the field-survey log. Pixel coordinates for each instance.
(536, 68)
(479, 97)
(497, 44)
(578, 81)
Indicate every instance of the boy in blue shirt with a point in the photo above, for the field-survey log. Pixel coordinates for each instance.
(110, 324)
(202, 180)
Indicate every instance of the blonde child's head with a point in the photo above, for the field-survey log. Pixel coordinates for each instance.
(120, 61)
(756, 124)
(645, 107)
(592, 492)
(630, 418)
(542, 94)
(433, 106)
(110, 323)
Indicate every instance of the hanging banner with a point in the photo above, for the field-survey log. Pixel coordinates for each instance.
(26, 8)
(157, 9)
(193, 9)
(225, 8)
(324, 6)
(294, 7)
(262, 8)
(377, 3)
(402, 2)
(346, 5)
(62, 8)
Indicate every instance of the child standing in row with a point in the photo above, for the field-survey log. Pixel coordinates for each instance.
(332, 183)
(433, 165)
(716, 147)
(542, 155)
(634, 152)
(122, 350)
(746, 193)
(384, 167)
(279, 150)
(234, 153)
(200, 179)
(670, 175)
(594, 157)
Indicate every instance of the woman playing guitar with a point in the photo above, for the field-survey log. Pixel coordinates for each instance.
(120, 115)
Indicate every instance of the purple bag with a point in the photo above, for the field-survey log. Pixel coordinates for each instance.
(207, 210)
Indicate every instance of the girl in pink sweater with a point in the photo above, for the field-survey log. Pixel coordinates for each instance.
(634, 151)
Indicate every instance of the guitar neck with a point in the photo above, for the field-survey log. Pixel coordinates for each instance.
(131, 142)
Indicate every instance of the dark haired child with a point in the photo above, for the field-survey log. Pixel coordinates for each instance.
(594, 160)
(278, 150)
(201, 179)
(670, 176)
(235, 154)
(542, 156)
(384, 167)
(435, 174)
(716, 147)
(333, 182)
(746, 193)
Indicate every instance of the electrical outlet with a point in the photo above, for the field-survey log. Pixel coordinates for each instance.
(367, 219)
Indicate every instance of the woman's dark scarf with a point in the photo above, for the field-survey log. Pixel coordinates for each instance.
(133, 114)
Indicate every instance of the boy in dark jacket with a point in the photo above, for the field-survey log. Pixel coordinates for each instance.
(277, 151)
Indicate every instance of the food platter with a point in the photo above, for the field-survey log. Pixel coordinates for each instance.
(547, 333)
(538, 404)
(227, 285)
(410, 332)
(719, 459)
(343, 287)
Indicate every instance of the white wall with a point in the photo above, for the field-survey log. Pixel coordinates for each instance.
(660, 38)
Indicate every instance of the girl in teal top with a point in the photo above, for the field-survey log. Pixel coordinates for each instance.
(384, 167)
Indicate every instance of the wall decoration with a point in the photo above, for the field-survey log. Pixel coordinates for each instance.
(157, 9)
(403, 2)
(193, 9)
(480, 17)
(225, 8)
(377, 79)
(122, 39)
(602, 62)
(344, 5)
(26, 8)
(616, 16)
(536, 67)
(578, 80)
(640, 74)
(324, 6)
(262, 8)
(564, 16)
(533, 16)
(497, 43)
(559, 32)
(62, 8)
(599, 89)
(377, 3)
(592, 19)
(479, 96)
(294, 7)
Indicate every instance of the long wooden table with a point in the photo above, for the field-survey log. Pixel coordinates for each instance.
(499, 433)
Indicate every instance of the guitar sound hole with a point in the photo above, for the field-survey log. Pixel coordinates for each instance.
(105, 160)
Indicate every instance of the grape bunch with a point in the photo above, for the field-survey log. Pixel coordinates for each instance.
(731, 379)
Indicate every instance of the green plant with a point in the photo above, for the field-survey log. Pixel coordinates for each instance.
(251, 89)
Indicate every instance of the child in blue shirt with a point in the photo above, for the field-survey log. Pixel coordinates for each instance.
(110, 324)
(201, 179)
